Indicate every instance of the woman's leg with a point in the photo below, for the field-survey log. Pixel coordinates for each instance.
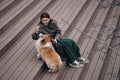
(74, 49)
(73, 46)
(68, 50)
(69, 54)
(64, 51)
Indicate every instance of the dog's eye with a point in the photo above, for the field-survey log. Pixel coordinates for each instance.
(43, 40)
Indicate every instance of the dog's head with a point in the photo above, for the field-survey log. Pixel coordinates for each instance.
(44, 40)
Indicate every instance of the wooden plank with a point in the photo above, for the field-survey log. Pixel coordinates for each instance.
(22, 21)
(58, 8)
(12, 51)
(49, 75)
(101, 56)
(85, 19)
(36, 66)
(25, 73)
(85, 43)
(14, 76)
(88, 9)
(65, 14)
(17, 71)
(7, 7)
(70, 73)
(74, 14)
(66, 11)
(73, 34)
(28, 69)
(53, 76)
(86, 46)
(18, 11)
(91, 68)
(20, 64)
(55, 6)
(65, 21)
(16, 48)
(5, 3)
(65, 72)
(8, 18)
(116, 68)
(56, 15)
(35, 70)
(13, 58)
(109, 71)
(28, 72)
(18, 44)
(22, 25)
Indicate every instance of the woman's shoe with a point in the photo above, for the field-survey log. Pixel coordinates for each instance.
(82, 60)
(76, 64)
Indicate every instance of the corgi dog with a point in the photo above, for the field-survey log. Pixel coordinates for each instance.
(47, 52)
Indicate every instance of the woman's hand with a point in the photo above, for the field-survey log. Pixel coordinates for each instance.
(36, 29)
(53, 40)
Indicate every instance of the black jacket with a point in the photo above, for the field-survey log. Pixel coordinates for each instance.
(51, 29)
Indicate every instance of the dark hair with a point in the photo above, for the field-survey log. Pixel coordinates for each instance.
(44, 15)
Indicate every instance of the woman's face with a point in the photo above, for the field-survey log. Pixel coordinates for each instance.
(45, 21)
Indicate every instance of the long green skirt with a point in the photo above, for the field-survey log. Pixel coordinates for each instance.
(67, 48)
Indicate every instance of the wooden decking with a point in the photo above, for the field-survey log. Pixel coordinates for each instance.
(93, 24)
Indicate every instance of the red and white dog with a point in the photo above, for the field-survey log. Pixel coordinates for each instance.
(47, 53)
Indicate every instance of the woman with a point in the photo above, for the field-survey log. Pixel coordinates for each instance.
(66, 48)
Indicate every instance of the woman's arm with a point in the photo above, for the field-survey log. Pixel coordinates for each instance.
(57, 34)
(58, 31)
(35, 35)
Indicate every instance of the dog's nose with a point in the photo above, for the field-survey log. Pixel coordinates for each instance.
(40, 35)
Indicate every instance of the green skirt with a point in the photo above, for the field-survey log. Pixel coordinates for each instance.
(67, 48)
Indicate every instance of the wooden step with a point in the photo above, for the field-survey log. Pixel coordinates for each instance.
(19, 56)
(84, 21)
(45, 75)
(19, 28)
(81, 10)
(8, 19)
(7, 5)
(102, 55)
(89, 11)
(110, 68)
(15, 63)
(95, 75)
(4, 4)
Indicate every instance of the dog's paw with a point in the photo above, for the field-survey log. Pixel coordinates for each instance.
(38, 56)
